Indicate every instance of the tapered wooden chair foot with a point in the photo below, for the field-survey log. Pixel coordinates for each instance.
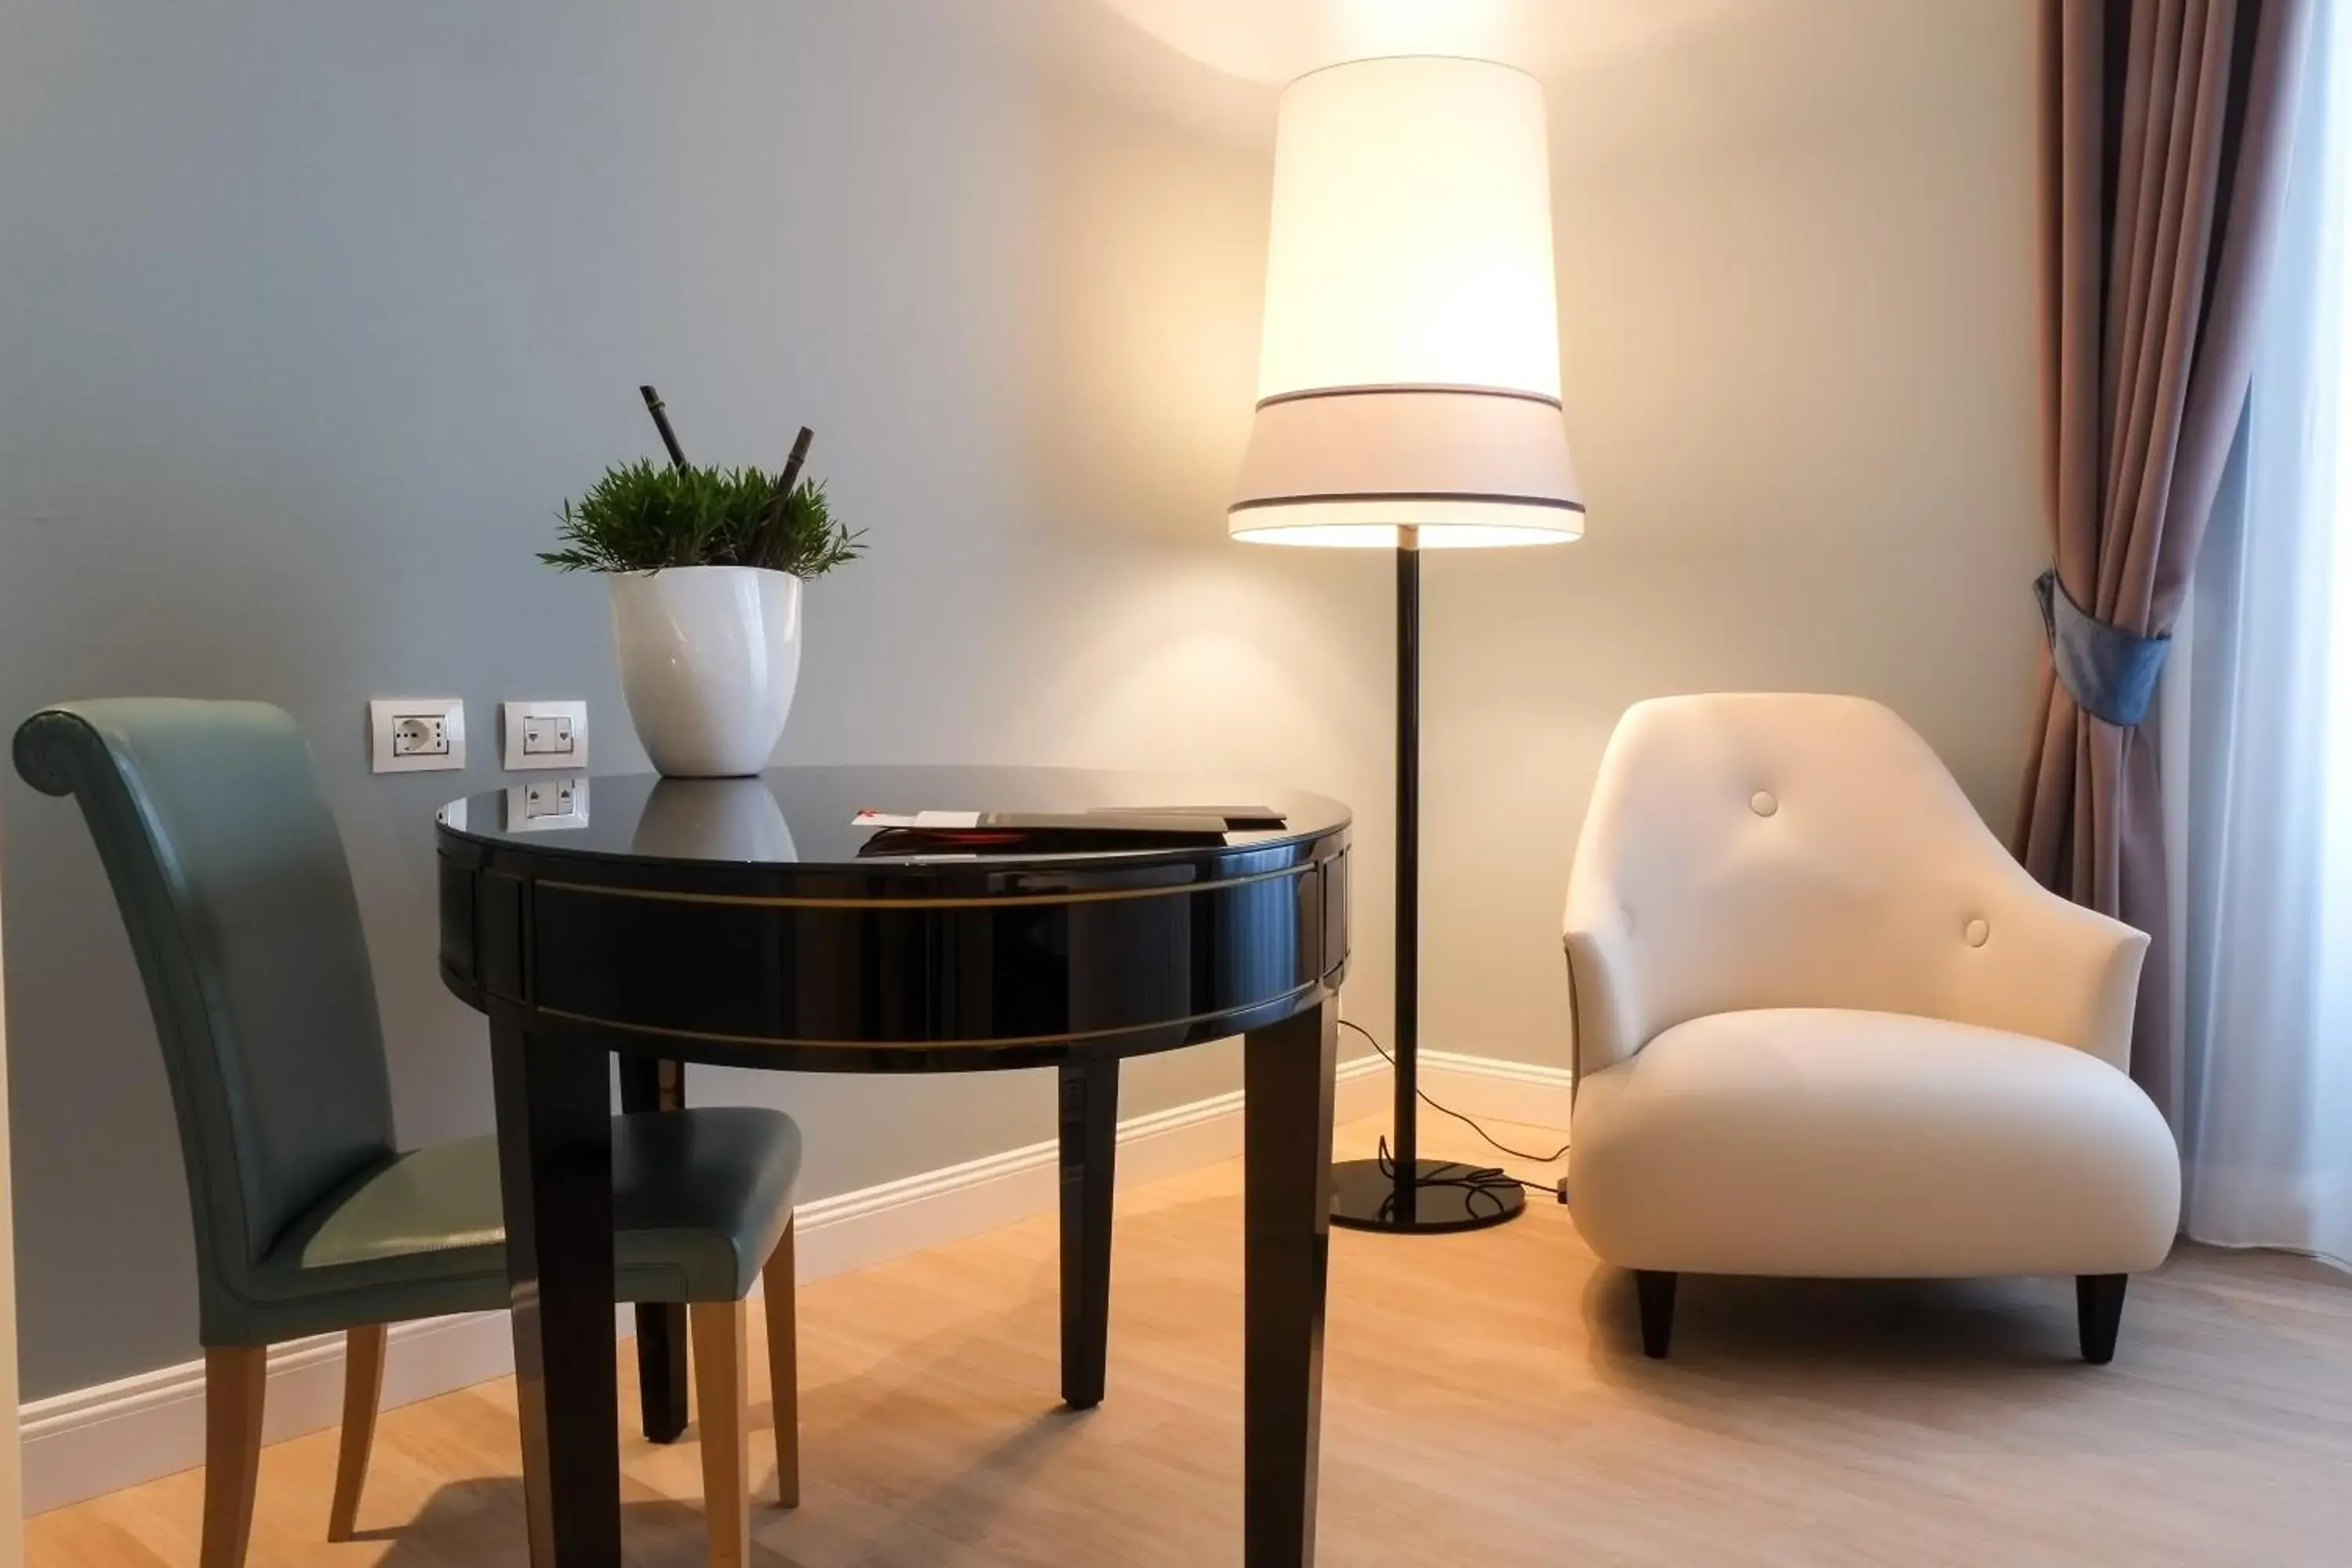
(2099, 1306)
(1656, 1292)
(235, 1377)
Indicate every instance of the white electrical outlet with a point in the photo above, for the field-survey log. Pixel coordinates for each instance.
(543, 805)
(544, 734)
(416, 734)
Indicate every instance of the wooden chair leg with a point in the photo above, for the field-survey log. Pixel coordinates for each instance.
(776, 1285)
(2099, 1308)
(362, 1393)
(724, 1414)
(233, 1379)
(1656, 1290)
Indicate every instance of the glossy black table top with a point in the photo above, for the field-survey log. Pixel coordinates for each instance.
(791, 829)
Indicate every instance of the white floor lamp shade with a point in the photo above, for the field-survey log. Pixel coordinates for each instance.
(1410, 368)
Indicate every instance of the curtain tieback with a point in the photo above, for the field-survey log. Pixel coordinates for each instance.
(2109, 672)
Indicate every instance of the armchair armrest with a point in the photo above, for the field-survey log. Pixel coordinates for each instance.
(2057, 970)
(1604, 990)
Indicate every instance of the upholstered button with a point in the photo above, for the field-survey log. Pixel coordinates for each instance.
(1977, 932)
(1762, 804)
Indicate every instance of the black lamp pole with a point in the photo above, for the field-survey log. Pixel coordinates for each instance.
(1406, 1119)
(1407, 1193)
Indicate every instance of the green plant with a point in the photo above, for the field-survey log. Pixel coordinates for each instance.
(641, 517)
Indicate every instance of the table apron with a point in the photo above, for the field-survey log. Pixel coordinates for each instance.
(1113, 975)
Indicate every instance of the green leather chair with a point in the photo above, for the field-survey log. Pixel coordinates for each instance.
(309, 1217)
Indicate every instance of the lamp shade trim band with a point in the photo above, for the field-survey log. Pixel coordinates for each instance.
(1486, 497)
(1410, 388)
(1409, 447)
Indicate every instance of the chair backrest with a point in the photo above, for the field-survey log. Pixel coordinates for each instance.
(1785, 851)
(230, 876)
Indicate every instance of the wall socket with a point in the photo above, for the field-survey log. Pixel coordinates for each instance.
(416, 734)
(544, 735)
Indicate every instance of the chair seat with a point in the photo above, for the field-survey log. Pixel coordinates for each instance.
(1826, 1142)
(700, 1199)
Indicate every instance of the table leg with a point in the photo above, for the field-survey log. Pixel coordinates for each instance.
(1286, 1216)
(1089, 1152)
(555, 1164)
(651, 1084)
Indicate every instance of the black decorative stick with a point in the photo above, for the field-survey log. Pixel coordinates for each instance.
(783, 498)
(655, 406)
(793, 463)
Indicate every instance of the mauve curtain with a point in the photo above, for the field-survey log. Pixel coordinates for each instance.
(2167, 128)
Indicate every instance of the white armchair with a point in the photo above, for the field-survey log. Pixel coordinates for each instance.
(1826, 1026)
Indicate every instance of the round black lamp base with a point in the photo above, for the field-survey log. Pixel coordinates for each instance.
(1447, 1196)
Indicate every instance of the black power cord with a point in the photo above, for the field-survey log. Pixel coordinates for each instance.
(1476, 1178)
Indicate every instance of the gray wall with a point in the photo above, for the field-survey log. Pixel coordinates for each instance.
(310, 315)
(1798, 305)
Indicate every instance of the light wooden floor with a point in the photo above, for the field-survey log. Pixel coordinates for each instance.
(1484, 1404)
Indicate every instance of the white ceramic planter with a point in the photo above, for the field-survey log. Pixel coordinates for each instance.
(708, 657)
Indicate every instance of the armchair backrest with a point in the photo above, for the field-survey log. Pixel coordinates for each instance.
(1786, 850)
(229, 873)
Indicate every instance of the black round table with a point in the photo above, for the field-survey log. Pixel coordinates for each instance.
(746, 921)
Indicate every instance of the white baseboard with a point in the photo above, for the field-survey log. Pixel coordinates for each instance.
(1489, 1087)
(101, 1440)
(95, 1440)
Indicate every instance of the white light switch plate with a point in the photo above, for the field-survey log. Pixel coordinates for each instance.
(544, 734)
(416, 734)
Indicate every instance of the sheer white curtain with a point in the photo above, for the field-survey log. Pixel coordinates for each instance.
(2258, 732)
